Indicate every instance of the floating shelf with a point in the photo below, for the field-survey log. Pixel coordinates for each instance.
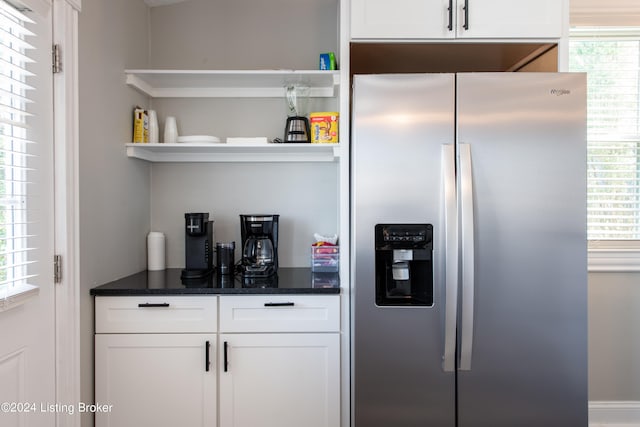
(185, 152)
(230, 83)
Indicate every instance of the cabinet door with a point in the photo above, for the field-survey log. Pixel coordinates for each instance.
(279, 380)
(155, 380)
(402, 19)
(510, 19)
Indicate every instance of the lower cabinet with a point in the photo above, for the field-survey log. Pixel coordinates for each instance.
(208, 361)
(279, 380)
(155, 379)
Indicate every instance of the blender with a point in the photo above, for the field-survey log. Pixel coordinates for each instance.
(297, 126)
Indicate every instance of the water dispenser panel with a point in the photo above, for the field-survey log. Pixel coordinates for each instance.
(404, 264)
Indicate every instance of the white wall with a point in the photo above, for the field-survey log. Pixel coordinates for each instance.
(114, 190)
(243, 34)
(304, 195)
(614, 336)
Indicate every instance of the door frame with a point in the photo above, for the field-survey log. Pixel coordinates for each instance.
(66, 210)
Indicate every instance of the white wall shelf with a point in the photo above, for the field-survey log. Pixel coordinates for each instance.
(184, 152)
(230, 83)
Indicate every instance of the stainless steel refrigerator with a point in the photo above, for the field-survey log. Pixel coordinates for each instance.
(469, 256)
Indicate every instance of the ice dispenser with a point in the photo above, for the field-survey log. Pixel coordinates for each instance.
(404, 264)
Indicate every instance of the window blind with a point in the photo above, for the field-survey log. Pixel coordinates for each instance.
(611, 59)
(16, 188)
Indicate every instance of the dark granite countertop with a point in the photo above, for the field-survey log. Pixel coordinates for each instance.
(168, 282)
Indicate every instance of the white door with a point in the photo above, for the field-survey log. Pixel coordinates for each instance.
(27, 356)
(160, 380)
(402, 19)
(510, 19)
(279, 380)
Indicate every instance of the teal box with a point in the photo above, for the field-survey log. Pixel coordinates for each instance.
(327, 61)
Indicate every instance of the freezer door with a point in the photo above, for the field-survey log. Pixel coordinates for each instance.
(400, 125)
(523, 346)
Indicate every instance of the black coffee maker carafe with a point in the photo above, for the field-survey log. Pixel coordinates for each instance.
(198, 241)
(259, 245)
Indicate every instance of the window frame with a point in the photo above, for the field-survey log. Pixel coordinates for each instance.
(16, 289)
(610, 255)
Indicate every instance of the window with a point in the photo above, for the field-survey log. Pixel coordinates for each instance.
(16, 188)
(611, 58)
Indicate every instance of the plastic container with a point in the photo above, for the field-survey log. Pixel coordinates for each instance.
(325, 259)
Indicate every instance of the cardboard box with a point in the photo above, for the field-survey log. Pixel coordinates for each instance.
(324, 127)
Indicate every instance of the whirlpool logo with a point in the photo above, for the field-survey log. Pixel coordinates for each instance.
(560, 92)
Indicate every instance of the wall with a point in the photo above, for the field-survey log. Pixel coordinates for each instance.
(304, 195)
(243, 34)
(614, 337)
(114, 190)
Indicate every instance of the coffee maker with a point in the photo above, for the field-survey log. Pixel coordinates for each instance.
(259, 235)
(198, 241)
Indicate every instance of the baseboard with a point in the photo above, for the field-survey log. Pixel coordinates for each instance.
(614, 414)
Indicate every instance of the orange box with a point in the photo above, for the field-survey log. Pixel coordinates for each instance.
(324, 127)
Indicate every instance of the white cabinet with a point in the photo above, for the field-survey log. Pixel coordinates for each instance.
(279, 380)
(280, 313)
(281, 377)
(448, 19)
(155, 361)
(270, 361)
(156, 314)
(159, 380)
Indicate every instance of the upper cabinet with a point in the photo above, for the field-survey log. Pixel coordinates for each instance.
(456, 19)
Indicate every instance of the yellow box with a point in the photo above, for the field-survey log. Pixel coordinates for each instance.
(324, 127)
(138, 125)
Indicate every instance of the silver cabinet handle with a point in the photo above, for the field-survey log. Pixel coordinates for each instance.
(468, 262)
(451, 257)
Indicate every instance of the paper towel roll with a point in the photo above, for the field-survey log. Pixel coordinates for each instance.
(155, 251)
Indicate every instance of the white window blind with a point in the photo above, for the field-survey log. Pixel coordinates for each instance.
(16, 188)
(611, 59)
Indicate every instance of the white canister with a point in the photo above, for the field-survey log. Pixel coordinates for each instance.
(170, 130)
(155, 251)
(154, 132)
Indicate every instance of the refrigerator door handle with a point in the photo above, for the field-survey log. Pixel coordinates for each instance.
(451, 256)
(467, 253)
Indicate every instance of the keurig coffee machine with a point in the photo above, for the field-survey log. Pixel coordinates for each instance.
(259, 245)
(198, 246)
